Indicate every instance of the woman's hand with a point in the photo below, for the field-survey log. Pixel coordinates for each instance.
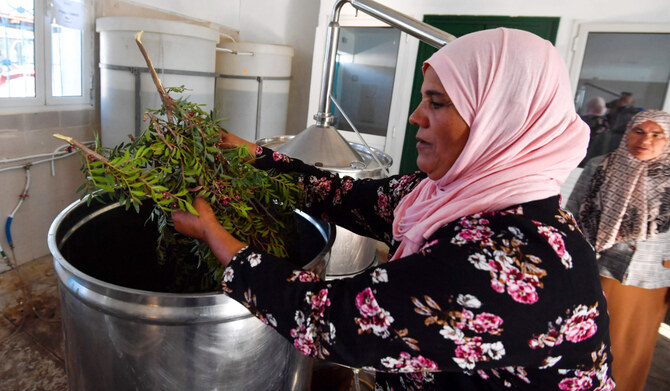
(232, 140)
(206, 227)
(196, 226)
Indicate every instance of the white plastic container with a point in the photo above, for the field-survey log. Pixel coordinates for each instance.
(253, 86)
(183, 54)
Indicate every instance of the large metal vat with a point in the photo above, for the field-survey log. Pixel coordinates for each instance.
(351, 253)
(120, 337)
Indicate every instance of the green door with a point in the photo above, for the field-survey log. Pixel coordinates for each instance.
(460, 25)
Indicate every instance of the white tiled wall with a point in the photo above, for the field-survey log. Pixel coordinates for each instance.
(29, 134)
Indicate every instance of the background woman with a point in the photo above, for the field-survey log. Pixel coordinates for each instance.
(622, 201)
(489, 284)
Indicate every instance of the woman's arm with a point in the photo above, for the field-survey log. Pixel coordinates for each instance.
(364, 206)
(206, 227)
(232, 140)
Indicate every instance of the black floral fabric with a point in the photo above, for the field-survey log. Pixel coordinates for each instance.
(509, 299)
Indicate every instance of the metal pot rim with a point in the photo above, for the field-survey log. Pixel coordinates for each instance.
(150, 306)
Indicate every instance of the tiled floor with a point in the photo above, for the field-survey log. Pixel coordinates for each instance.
(31, 343)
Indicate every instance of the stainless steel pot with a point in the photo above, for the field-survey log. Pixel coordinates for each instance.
(119, 336)
(351, 253)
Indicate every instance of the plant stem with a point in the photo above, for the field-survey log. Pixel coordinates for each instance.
(167, 101)
(86, 150)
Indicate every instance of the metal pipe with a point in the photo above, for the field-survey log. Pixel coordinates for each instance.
(259, 107)
(138, 102)
(425, 32)
(323, 117)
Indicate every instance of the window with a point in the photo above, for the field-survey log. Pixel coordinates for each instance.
(364, 74)
(45, 53)
(610, 59)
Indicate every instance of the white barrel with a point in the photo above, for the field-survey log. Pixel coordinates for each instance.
(183, 54)
(252, 88)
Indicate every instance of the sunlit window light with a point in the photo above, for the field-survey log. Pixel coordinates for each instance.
(17, 49)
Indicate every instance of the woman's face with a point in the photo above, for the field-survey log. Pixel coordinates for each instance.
(442, 131)
(646, 141)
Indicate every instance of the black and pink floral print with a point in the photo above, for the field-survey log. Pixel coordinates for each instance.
(596, 377)
(463, 326)
(372, 317)
(303, 276)
(555, 239)
(312, 333)
(503, 257)
(384, 207)
(259, 151)
(405, 362)
(576, 326)
(250, 303)
(280, 157)
(389, 195)
(508, 299)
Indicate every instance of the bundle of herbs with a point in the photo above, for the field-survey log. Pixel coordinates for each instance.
(181, 155)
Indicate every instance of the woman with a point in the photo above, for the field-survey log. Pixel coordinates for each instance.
(622, 201)
(489, 284)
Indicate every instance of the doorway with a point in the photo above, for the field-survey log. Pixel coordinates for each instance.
(545, 27)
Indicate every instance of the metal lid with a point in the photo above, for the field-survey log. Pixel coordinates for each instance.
(321, 146)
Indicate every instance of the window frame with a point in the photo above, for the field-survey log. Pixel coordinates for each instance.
(44, 99)
(580, 36)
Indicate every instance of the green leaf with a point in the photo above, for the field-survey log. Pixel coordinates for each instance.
(191, 209)
(187, 156)
(106, 188)
(97, 171)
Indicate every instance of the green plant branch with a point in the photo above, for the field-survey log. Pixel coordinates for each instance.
(181, 156)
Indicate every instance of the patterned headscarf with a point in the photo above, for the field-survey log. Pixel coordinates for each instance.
(512, 89)
(629, 199)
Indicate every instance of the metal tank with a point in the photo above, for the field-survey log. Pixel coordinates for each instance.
(122, 333)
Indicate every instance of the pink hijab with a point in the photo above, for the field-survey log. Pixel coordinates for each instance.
(512, 88)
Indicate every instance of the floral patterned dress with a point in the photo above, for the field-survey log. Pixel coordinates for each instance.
(501, 300)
